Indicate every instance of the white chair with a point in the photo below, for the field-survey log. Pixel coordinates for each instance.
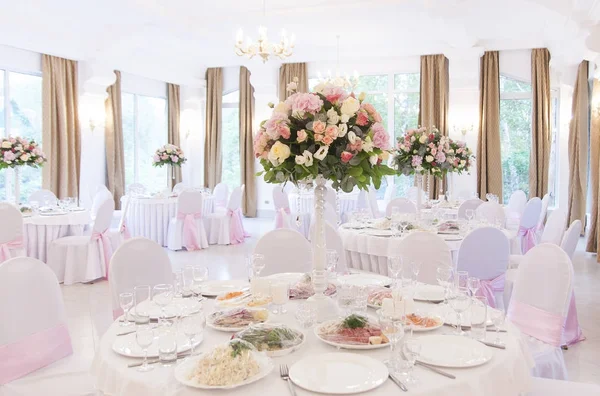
(36, 354)
(428, 249)
(555, 227)
(515, 207)
(373, 203)
(281, 204)
(403, 205)
(413, 194)
(139, 261)
(121, 233)
(330, 217)
(226, 228)
(333, 241)
(285, 250)
(550, 387)
(571, 237)
(525, 238)
(136, 189)
(539, 306)
(331, 197)
(542, 220)
(484, 254)
(491, 212)
(11, 232)
(43, 197)
(186, 229)
(179, 187)
(221, 194)
(472, 203)
(83, 258)
(102, 194)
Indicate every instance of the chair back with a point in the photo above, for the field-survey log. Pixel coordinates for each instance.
(280, 198)
(124, 212)
(571, 237)
(554, 228)
(34, 331)
(136, 188)
(403, 204)
(413, 194)
(189, 201)
(492, 212)
(472, 203)
(12, 223)
(545, 203)
(221, 194)
(428, 249)
(330, 217)
(285, 250)
(331, 197)
(362, 200)
(373, 202)
(179, 187)
(43, 197)
(102, 194)
(235, 200)
(531, 214)
(517, 202)
(104, 216)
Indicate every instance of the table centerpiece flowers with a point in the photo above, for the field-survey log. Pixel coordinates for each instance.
(16, 152)
(169, 155)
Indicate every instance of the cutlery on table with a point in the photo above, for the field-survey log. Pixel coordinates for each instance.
(285, 375)
(493, 345)
(398, 382)
(154, 361)
(491, 329)
(435, 369)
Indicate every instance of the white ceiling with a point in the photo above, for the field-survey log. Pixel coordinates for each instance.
(175, 40)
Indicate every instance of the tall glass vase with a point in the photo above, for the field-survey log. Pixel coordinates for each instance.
(17, 185)
(419, 183)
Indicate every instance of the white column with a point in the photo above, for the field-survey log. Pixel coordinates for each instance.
(193, 108)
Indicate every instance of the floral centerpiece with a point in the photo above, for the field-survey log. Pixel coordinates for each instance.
(17, 152)
(168, 154)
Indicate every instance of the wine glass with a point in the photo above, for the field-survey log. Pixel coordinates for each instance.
(200, 275)
(141, 294)
(460, 303)
(126, 302)
(474, 284)
(258, 263)
(469, 213)
(498, 317)
(444, 276)
(393, 328)
(162, 295)
(412, 350)
(462, 279)
(144, 336)
(395, 268)
(188, 281)
(332, 261)
(193, 326)
(280, 294)
(415, 267)
(178, 283)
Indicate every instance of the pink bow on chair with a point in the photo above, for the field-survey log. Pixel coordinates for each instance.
(573, 333)
(237, 234)
(489, 288)
(5, 247)
(191, 239)
(527, 238)
(535, 322)
(104, 241)
(125, 231)
(280, 217)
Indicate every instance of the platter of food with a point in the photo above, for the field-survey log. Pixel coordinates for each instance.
(236, 319)
(352, 332)
(273, 339)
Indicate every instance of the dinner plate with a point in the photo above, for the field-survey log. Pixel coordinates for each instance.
(209, 322)
(77, 209)
(127, 345)
(345, 346)
(289, 277)
(215, 287)
(365, 279)
(354, 225)
(379, 233)
(453, 351)
(338, 373)
(430, 293)
(184, 370)
(175, 308)
(53, 213)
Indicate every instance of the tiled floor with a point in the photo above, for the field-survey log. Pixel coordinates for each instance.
(89, 307)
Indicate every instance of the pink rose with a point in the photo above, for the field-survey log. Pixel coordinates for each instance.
(327, 140)
(380, 137)
(164, 156)
(175, 158)
(332, 131)
(9, 156)
(362, 118)
(284, 131)
(370, 109)
(302, 135)
(356, 146)
(156, 158)
(416, 160)
(334, 94)
(301, 103)
(346, 157)
(272, 125)
(433, 151)
(319, 126)
(318, 137)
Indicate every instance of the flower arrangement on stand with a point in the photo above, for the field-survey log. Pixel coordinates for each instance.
(16, 152)
(169, 155)
(327, 134)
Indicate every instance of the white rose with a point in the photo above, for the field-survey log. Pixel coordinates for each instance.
(169, 151)
(300, 160)
(352, 137)
(342, 130)
(25, 157)
(422, 139)
(367, 145)
(319, 88)
(450, 151)
(282, 108)
(429, 158)
(279, 153)
(321, 153)
(309, 157)
(362, 96)
(344, 118)
(332, 116)
(373, 159)
(412, 139)
(350, 106)
(6, 144)
(462, 163)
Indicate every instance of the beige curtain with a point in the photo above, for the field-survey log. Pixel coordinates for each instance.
(540, 123)
(213, 162)
(593, 243)
(433, 108)
(61, 136)
(174, 113)
(578, 147)
(246, 143)
(287, 72)
(489, 162)
(113, 135)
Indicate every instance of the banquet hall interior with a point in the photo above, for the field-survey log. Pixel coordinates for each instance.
(266, 197)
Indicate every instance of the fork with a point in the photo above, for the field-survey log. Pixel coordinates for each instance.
(285, 375)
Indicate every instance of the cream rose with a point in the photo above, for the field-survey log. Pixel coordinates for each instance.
(282, 108)
(423, 139)
(321, 153)
(332, 116)
(429, 158)
(344, 118)
(342, 130)
(350, 106)
(6, 144)
(279, 153)
(25, 157)
(362, 96)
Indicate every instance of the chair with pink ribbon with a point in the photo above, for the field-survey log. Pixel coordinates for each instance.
(186, 229)
(221, 194)
(11, 232)
(542, 219)
(80, 259)
(36, 356)
(472, 203)
(484, 254)
(227, 228)
(281, 204)
(491, 212)
(514, 208)
(138, 261)
(121, 233)
(540, 304)
(525, 238)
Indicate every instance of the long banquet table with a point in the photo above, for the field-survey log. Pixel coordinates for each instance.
(507, 374)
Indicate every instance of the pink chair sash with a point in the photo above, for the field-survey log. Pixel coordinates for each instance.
(104, 241)
(280, 217)
(540, 324)
(125, 231)
(489, 288)
(527, 238)
(5, 247)
(237, 234)
(573, 333)
(191, 238)
(33, 352)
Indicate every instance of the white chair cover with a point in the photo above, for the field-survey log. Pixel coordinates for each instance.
(428, 249)
(484, 254)
(121, 233)
(550, 387)
(225, 228)
(43, 197)
(136, 188)
(516, 202)
(102, 194)
(221, 194)
(525, 238)
(555, 227)
(333, 241)
(542, 220)
(285, 250)
(11, 232)
(373, 203)
(491, 212)
(571, 237)
(543, 285)
(468, 204)
(281, 204)
(83, 258)
(187, 229)
(403, 204)
(179, 187)
(139, 261)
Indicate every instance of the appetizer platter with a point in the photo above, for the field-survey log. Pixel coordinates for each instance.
(304, 289)
(377, 295)
(352, 332)
(273, 339)
(424, 322)
(241, 299)
(448, 227)
(236, 319)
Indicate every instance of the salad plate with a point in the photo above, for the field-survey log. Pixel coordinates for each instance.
(215, 287)
(236, 319)
(453, 351)
(352, 332)
(379, 233)
(365, 279)
(241, 299)
(339, 373)
(429, 293)
(127, 345)
(273, 339)
(421, 322)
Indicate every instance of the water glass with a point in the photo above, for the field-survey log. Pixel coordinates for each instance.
(193, 326)
(462, 279)
(345, 299)
(361, 298)
(444, 276)
(332, 261)
(142, 298)
(470, 214)
(167, 345)
(126, 302)
(258, 263)
(144, 336)
(188, 281)
(412, 351)
(162, 295)
(178, 284)
(478, 317)
(395, 268)
(460, 303)
(393, 328)
(306, 314)
(474, 284)
(200, 275)
(280, 295)
(498, 317)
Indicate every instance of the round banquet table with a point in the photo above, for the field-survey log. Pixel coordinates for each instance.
(41, 230)
(507, 374)
(149, 217)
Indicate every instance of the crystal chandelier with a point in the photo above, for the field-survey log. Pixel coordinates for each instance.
(263, 47)
(340, 79)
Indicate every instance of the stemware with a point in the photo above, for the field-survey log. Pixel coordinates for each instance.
(444, 277)
(474, 284)
(193, 326)
(178, 283)
(392, 327)
(187, 281)
(412, 350)
(144, 336)
(126, 302)
(280, 294)
(200, 275)
(306, 314)
(498, 317)
(395, 268)
(332, 261)
(462, 279)
(162, 295)
(469, 213)
(460, 303)
(258, 263)
(415, 269)
(141, 294)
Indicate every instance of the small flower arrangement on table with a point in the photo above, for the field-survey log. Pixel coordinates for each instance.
(168, 154)
(15, 152)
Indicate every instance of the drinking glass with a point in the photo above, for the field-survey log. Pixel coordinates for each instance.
(332, 261)
(460, 303)
(361, 298)
(144, 336)
(469, 213)
(126, 302)
(162, 295)
(415, 267)
(474, 284)
(498, 317)
(306, 314)
(393, 328)
(193, 326)
(167, 345)
(280, 294)
(258, 263)
(200, 275)
(142, 298)
(405, 220)
(178, 283)
(35, 206)
(412, 350)
(406, 273)
(395, 268)
(444, 277)
(462, 279)
(188, 281)
(478, 317)
(345, 299)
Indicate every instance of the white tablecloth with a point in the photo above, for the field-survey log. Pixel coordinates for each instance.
(507, 374)
(40, 230)
(304, 204)
(149, 217)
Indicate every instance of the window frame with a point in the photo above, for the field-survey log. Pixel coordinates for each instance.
(231, 105)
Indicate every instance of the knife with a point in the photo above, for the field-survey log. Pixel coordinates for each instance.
(491, 344)
(435, 369)
(397, 382)
(154, 361)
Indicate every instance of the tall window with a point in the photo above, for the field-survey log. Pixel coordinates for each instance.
(230, 142)
(21, 115)
(144, 130)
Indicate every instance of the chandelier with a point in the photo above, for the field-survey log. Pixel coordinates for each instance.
(263, 48)
(339, 79)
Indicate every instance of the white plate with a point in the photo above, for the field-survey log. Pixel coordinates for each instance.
(339, 373)
(424, 329)
(209, 322)
(127, 346)
(379, 233)
(289, 277)
(453, 351)
(175, 308)
(183, 371)
(431, 293)
(53, 213)
(346, 346)
(365, 279)
(216, 287)
(450, 316)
